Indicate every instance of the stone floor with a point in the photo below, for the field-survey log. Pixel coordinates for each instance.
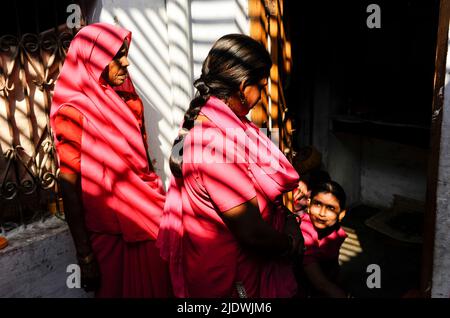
(399, 262)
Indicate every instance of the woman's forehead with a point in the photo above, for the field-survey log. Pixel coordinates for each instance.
(326, 198)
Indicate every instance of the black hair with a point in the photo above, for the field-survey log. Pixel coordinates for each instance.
(233, 59)
(332, 187)
(316, 177)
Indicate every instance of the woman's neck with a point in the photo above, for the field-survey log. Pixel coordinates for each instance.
(234, 103)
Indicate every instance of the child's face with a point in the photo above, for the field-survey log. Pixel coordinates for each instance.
(324, 210)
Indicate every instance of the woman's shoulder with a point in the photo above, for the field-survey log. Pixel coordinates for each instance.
(69, 113)
(203, 130)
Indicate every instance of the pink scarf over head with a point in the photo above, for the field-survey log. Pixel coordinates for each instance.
(121, 195)
(273, 173)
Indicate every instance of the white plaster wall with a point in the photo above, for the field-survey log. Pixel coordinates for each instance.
(149, 68)
(372, 170)
(390, 168)
(212, 19)
(180, 57)
(441, 262)
(170, 41)
(344, 165)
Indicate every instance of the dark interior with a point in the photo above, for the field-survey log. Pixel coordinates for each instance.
(381, 79)
(352, 87)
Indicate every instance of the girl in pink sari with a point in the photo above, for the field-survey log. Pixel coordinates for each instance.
(112, 197)
(231, 236)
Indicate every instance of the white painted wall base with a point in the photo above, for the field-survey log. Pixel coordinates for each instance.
(35, 262)
(441, 263)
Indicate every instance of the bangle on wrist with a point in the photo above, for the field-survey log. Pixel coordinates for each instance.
(85, 260)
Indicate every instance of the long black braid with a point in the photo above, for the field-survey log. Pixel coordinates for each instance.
(233, 59)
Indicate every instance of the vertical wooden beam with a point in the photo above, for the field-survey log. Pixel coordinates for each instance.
(258, 27)
(274, 73)
(266, 22)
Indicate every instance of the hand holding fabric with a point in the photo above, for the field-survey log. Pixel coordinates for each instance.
(301, 196)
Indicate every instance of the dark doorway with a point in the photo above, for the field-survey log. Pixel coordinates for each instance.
(363, 97)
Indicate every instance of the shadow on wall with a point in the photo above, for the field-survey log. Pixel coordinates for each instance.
(229, 16)
(149, 69)
(164, 82)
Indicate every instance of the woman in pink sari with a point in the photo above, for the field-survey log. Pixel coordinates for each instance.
(231, 236)
(113, 199)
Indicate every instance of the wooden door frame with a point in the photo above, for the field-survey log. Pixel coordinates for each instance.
(433, 160)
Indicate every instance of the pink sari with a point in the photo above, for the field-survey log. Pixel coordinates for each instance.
(122, 197)
(273, 174)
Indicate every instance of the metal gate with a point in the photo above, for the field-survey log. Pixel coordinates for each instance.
(29, 66)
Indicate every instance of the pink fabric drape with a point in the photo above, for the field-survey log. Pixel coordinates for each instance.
(271, 171)
(121, 195)
(130, 270)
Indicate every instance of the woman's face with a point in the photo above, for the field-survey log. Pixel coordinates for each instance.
(324, 210)
(117, 69)
(251, 94)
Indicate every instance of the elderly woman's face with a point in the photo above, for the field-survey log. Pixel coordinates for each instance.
(116, 71)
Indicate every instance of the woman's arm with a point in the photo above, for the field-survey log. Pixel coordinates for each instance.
(71, 191)
(74, 214)
(68, 130)
(247, 225)
(321, 283)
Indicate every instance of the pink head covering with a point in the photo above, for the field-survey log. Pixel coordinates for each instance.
(121, 195)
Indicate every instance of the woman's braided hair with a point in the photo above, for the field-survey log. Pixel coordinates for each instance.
(233, 59)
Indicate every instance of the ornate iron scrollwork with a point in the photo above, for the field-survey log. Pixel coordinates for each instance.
(33, 173)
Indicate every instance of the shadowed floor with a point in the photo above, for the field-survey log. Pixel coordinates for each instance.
(399, 262)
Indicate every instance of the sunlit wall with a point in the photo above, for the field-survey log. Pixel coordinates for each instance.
(169, 43)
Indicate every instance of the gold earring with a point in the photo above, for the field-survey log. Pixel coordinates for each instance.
(242, 98)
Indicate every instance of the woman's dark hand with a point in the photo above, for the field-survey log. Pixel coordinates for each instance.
(292, 228)
(90, 275)
(301, 196)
